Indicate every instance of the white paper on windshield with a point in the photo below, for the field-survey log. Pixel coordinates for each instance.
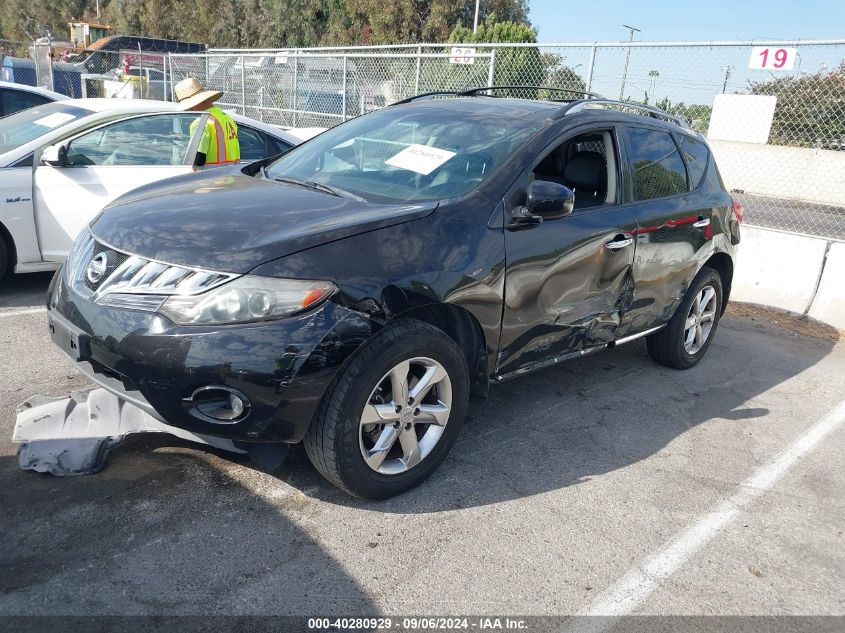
(421, 159)
(54, 120)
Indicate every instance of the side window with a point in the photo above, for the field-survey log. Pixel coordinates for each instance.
(279, 146)
(158, 140)
(586, 164)
(658, 170)
(696, 155)
(12, 101)
(252, 144)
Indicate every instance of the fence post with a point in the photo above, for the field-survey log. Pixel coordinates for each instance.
(417, 76)
(261, 102)
(591, 63)
(295, 105)
(344, 87)
(243, 85)
(141, 74)
(491, 74)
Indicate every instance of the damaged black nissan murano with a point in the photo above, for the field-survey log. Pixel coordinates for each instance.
(353, 293)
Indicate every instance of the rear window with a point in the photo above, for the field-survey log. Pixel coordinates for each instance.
(696, 155)
(658, 170)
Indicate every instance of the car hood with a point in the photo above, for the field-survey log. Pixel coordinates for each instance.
(232, 222)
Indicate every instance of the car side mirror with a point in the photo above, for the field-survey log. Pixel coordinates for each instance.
(55, 155)
(550, 200)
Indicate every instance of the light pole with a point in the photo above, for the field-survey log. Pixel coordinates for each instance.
(633, 29)
(475, 21)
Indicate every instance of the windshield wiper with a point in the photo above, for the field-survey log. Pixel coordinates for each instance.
(319, 186)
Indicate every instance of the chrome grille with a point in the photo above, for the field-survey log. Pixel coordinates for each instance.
(134, 281)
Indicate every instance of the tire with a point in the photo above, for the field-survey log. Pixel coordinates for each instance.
(343, 441)
(671, 346)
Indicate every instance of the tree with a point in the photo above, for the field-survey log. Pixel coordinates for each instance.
(513, 66)
(24, 20)
(698, 115)
(559, 75)
(810, 109)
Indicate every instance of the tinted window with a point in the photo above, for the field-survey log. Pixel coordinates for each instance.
(12, 101)
(408, 154)
(252, 144)
(150, 140)
(279, 146)
(696, 154)
(658, 169)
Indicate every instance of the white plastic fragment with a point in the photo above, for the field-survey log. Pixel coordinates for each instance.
(73, 435)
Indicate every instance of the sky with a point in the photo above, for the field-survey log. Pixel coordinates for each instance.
(602, 20)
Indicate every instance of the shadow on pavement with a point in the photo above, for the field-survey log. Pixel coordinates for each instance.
(159, 533)
(24, 291)
(595, 415)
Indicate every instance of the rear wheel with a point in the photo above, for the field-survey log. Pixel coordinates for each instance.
(391, 417)
(687, 336)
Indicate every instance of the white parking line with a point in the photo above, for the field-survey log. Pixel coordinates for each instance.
(639, 583)
(12, 313)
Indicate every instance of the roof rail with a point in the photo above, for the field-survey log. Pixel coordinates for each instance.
(481, 91)
(472, 92)
(592, 100)
(651, 111)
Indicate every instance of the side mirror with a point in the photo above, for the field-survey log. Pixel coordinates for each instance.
(550, 200)
(55, 155)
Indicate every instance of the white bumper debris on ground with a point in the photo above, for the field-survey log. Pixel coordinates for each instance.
(73, 435)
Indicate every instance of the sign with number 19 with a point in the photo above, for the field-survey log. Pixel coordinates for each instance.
(772, 58)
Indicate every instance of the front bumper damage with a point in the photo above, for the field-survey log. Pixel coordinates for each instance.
(74, 435)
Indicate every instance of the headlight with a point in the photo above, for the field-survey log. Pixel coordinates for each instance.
(248, 298)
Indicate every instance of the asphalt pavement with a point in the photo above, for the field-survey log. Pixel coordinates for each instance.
(606, 484)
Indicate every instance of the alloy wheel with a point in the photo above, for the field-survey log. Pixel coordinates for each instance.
(700, 320)
(405, 415)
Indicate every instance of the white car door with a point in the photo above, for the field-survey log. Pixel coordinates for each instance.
(16, 213)
(103, 164)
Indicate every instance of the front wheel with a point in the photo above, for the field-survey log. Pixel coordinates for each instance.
(685, 339)
(392, 415)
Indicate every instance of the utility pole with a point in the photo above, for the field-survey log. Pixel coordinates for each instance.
(727, 70)
(475, 21)
(98, 10)
(633, 29)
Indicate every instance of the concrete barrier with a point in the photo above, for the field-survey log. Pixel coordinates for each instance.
(829, 303)
(780, 270)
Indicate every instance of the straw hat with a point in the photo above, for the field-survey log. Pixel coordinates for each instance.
(190, 93)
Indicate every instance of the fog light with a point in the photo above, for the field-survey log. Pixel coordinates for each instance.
(220, 404)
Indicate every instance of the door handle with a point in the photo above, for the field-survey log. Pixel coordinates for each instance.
(616, 244)
(702, 222)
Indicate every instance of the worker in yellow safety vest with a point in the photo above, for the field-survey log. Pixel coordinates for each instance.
(219, 143)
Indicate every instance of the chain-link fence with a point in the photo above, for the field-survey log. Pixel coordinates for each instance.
(321, 89)
(773, 112)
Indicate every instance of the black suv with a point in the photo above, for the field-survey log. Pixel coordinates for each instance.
(353, 293)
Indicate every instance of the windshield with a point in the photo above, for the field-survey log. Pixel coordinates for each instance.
(406, 154)
(24, 126)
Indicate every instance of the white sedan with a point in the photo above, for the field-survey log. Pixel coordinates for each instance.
(16, 97)
(62, 162)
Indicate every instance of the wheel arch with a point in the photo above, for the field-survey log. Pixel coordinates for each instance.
(462, 326)
(12, 253)
(723, 264)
